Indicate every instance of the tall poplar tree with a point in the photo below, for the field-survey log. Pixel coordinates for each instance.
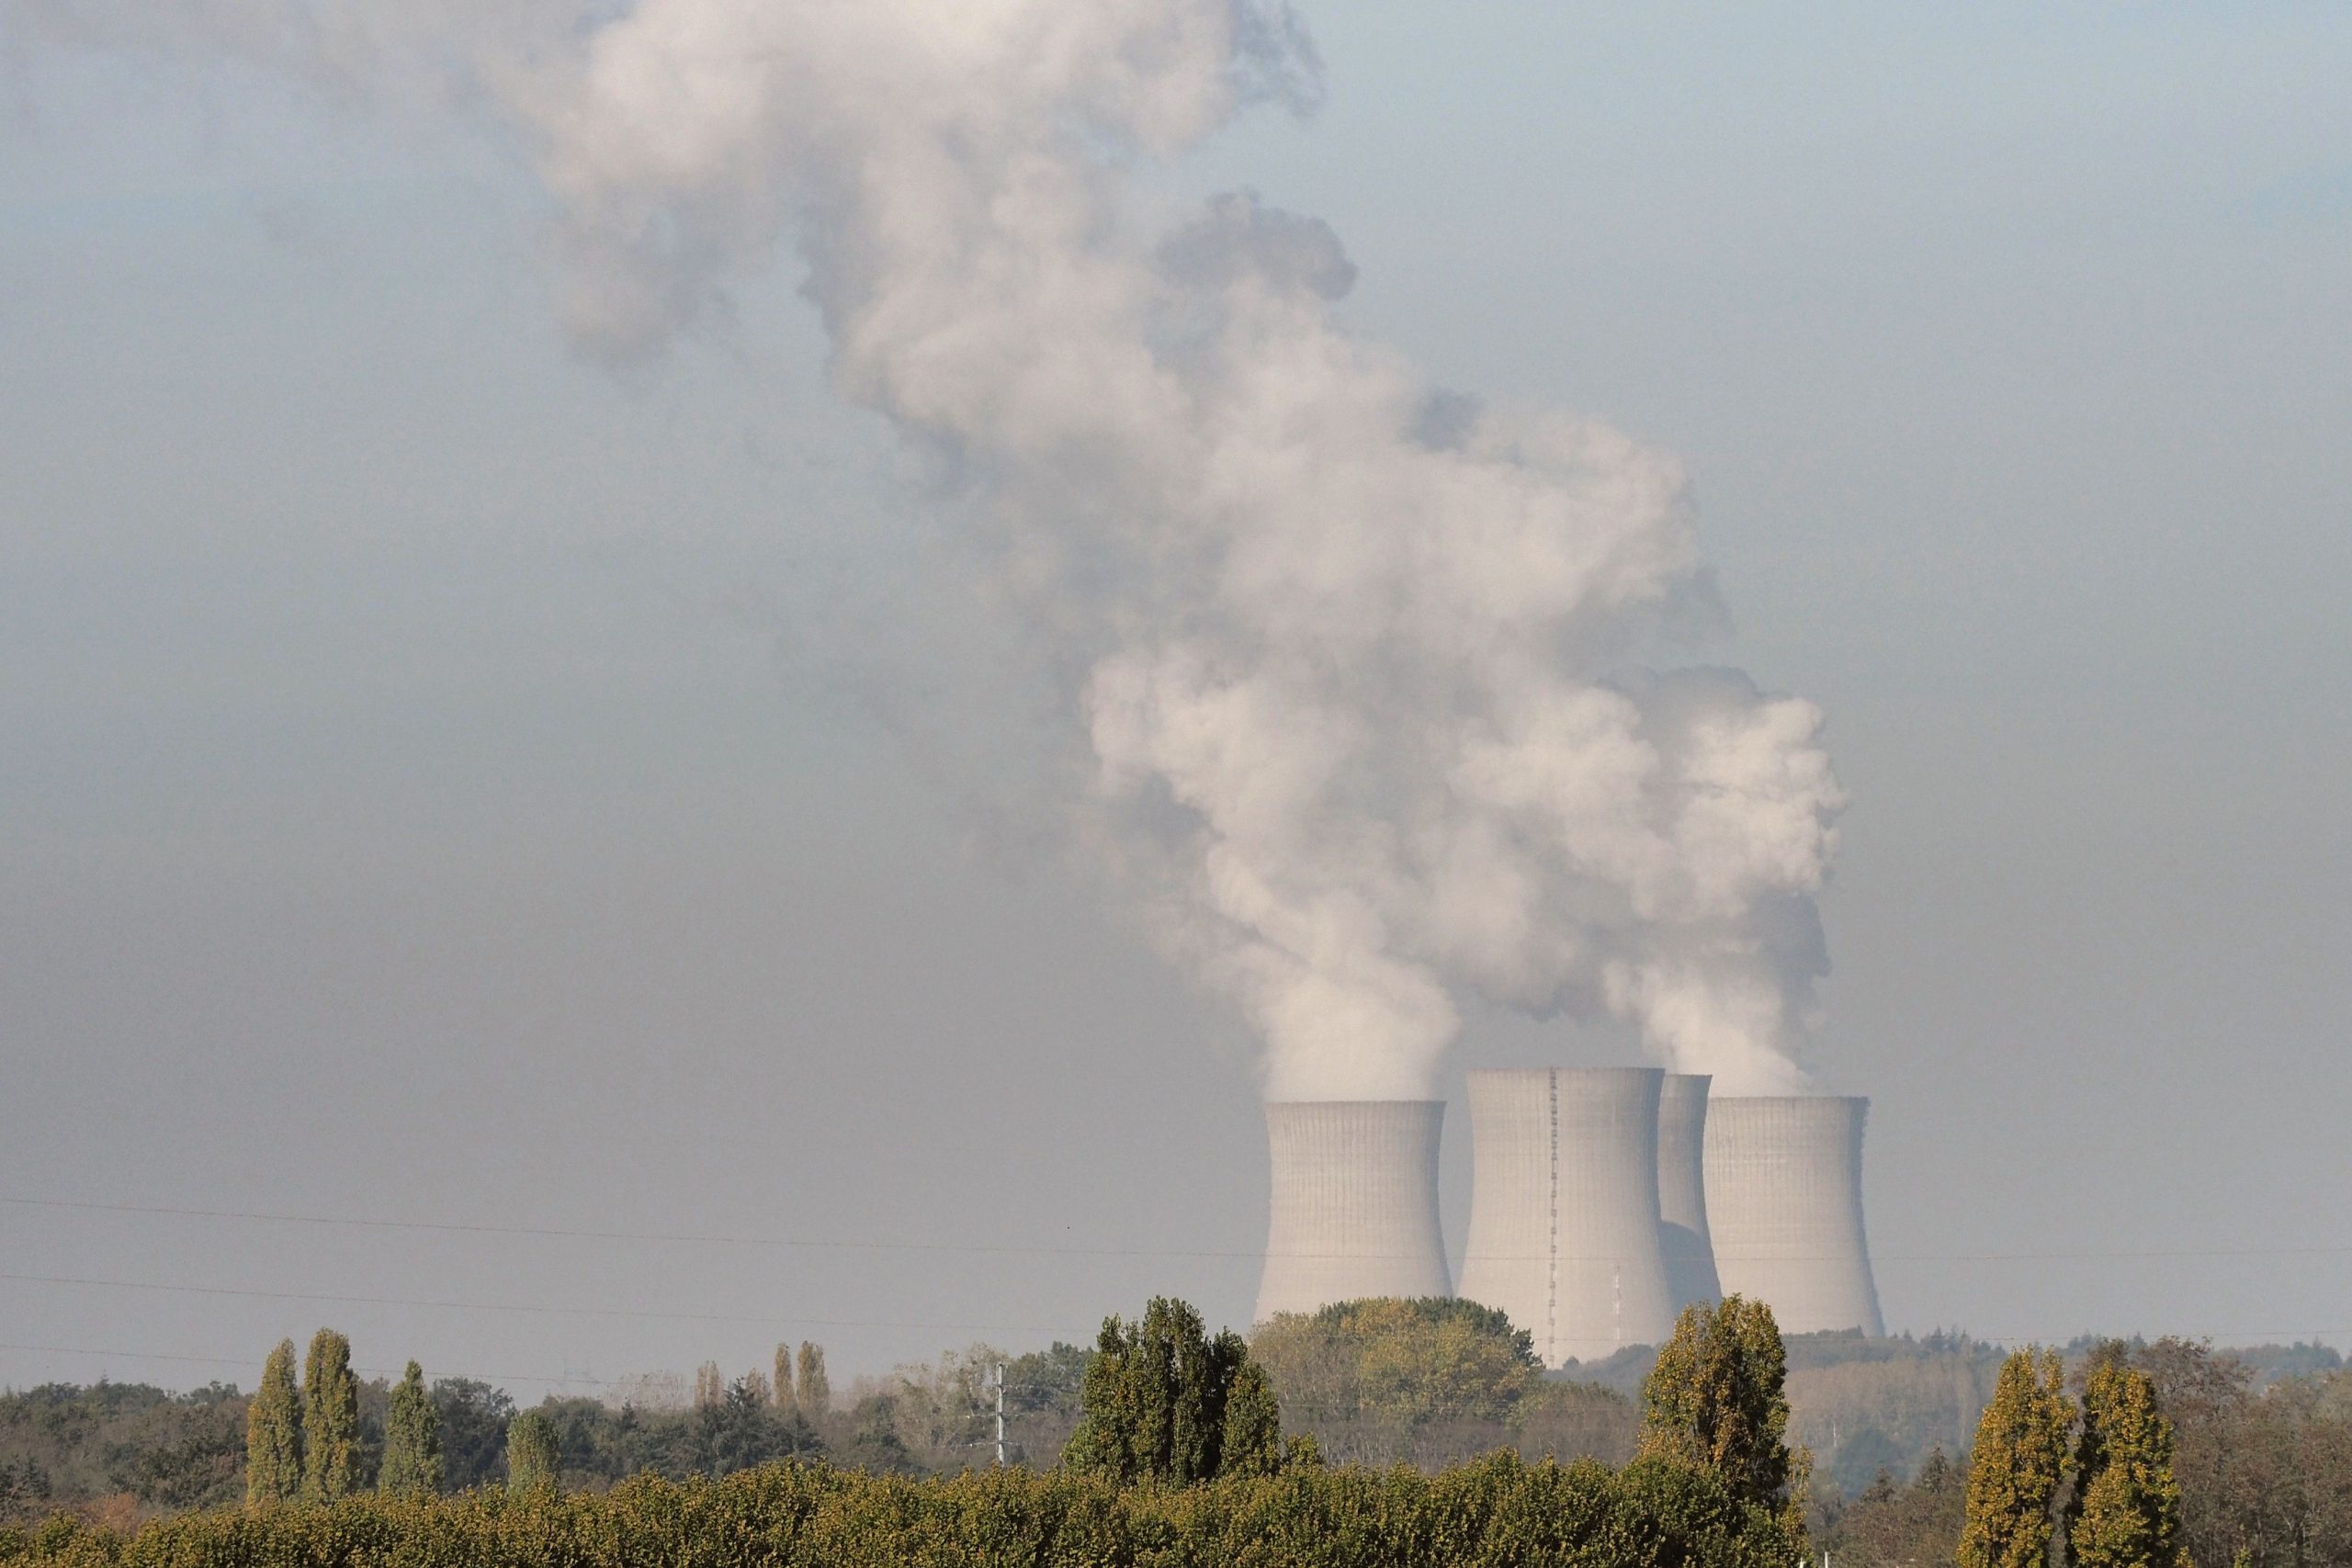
(273, 1432)
(412, 1438)
(816, 1389)
(784, 1395)
(532, 1463)
(330, 1418)
(1717, 1399)
(2126, 1509)
(2018, 1464)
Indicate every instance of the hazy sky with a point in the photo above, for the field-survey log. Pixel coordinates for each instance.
(443, 780)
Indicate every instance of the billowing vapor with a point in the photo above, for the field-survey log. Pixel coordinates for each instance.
(1358, 661)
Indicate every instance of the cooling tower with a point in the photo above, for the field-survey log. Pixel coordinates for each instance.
(1564, 1217)
(1784, 1194)
(1354, 1203)
(1682, 1190)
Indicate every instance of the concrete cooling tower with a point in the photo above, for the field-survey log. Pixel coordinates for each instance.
(1354, 1203)
(1682, 1190)
(1564, 1217)
(1784, 1194)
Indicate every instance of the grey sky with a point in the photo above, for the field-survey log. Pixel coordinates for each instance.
(444, 780)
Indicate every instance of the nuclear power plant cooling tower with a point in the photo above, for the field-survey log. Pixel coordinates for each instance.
(1682, 1190)
(1785, 1196)
(1354, 1203)
(1564, 1215)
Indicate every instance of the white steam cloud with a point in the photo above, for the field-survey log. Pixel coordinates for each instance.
(1355, 658)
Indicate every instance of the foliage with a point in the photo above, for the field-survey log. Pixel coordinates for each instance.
(600, 1445)
(25, 1490)
(816, 1389)
(1159, 1402)
(1397, 1361)
(2018, 1464)
(273, 1432)
(2126, 1510)
(534, 1459)
(141, 1447)
(1252, 1440)
(472, 1416)
(1717, 1399)
(1432, 1382)
(1864, 1406)
(1892, 1523)
(412, 1438)
(782, 1381)
(1497, 1512)
(330, 1418)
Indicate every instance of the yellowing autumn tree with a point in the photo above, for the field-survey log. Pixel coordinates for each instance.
(2019, 1466)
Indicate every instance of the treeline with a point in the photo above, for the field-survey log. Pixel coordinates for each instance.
(124, 1452)
(2259, 1460)
(2262, 1437)
(1179, 1458)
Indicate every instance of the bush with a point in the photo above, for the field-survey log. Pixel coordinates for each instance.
(1499, 1512)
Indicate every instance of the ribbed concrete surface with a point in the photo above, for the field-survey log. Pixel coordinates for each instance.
(1682, 1190)
(1353, 1209)
(1564, 1218)
(1784, 1201)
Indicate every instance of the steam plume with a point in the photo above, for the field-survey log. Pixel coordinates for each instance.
(1355, 658)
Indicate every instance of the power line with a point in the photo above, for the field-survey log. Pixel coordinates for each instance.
(247, 1361)
(1035, 1249)
(525, 1308)
(465, 1228)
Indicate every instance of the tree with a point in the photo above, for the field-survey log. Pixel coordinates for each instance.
(473, 1418)
(2019, 1466)
(412, 1438)
(273, 1432)
(710, 1385)
(1397, 1363)
(744, 1429)
(1251, 1440)
(1161, 1399)
(816, 1389)
(1717, 1400)
(2126, 1511)
(1891, 1524)
(532, 1463)
(784, 1396)
(330, 1418)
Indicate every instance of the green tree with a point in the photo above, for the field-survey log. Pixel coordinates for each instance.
(1717, 1400)
(816, 1389)
(1397, 1363)
(532, 1463)
(2018, 1464)
(412, 1438)
(273, 1432)
(330, 1418)
(2126, 1509)
(784, 1399)
(1160, 1402)
(1250, 1442)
